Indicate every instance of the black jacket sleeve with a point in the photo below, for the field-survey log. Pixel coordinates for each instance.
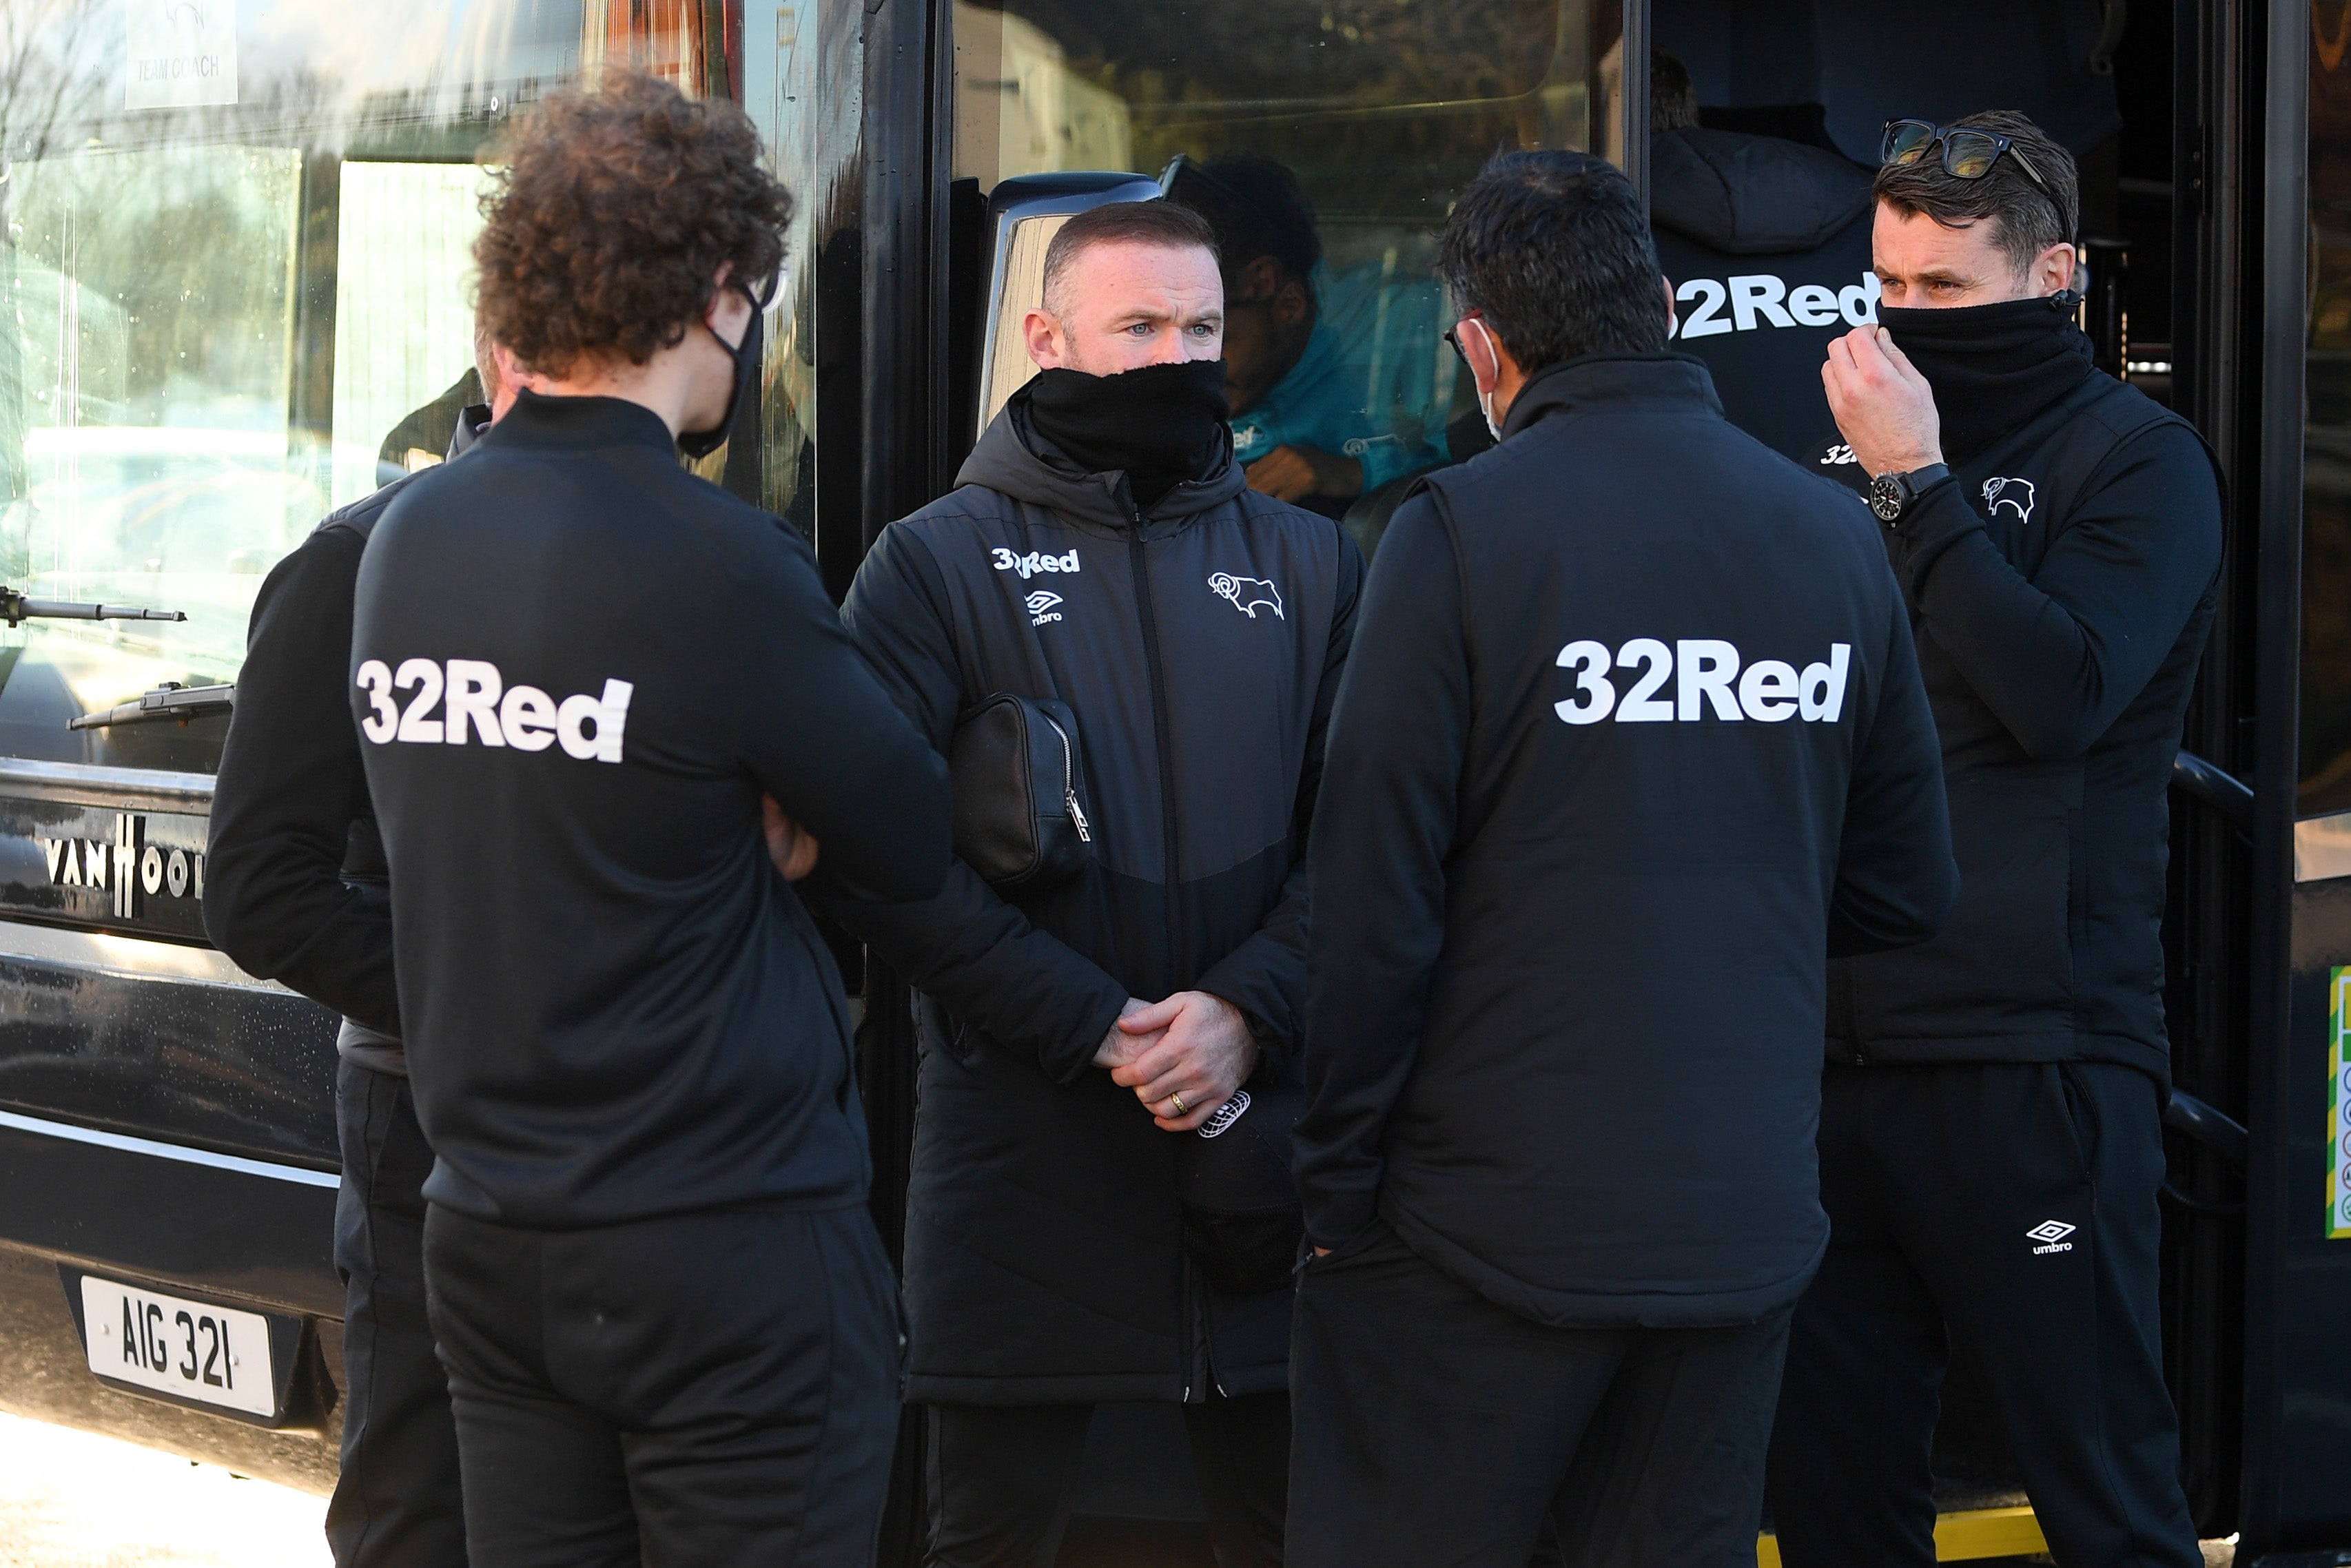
(2059, 655)
(824, 738)
(1265, 976)
(290, 788)
(1397, 740)
(1895, 879)
(979, 955)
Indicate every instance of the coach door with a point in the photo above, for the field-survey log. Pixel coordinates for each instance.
(2213, 140)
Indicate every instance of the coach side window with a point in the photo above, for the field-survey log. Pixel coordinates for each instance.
(1326, 141)
(234, 247)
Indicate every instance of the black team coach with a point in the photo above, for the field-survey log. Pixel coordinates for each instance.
(667, 1320)
(1990, 1145)
(1631, 735)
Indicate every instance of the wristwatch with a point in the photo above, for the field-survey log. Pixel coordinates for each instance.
(1890, 495)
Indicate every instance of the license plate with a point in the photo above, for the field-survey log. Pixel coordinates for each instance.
(214, 1355)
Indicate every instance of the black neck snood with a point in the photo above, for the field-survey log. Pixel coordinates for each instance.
(1158, 425)
(1993, 367)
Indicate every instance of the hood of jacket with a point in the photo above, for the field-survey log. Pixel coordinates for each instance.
(1744, 194)
(1013, 459)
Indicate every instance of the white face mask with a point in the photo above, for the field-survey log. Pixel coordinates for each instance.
(1486, 400)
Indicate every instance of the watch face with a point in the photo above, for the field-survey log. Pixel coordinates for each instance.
(1886, 498)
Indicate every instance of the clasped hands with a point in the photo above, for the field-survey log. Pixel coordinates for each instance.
(1183, 1057)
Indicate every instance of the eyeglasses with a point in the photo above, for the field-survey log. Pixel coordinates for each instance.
(1452, 338)
(1968, 153)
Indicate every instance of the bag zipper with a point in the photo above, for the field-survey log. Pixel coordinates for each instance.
(1069, 778)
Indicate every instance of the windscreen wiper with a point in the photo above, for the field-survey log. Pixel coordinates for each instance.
(169, 701)
(15, 609)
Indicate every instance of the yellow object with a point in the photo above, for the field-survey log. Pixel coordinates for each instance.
(1959, 1537)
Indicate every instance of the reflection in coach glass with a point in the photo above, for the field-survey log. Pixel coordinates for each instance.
(1633, 733)
(666, 1317)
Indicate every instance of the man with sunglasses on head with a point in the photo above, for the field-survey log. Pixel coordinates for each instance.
(1990, 1141)
(1319, 415)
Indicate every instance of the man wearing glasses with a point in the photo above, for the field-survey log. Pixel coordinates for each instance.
(1990, 1143)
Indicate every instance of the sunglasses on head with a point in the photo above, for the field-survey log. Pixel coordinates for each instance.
(1968, 153)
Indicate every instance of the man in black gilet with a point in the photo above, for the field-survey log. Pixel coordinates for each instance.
(1632, 735)
(1991, 1148)
(297, 893)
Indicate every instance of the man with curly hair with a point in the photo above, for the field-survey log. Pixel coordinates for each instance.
(668, 1324)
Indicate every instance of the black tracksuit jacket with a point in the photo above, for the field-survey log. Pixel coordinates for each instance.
(2061, 589)
(1633, 737)
(1199, 645)
(296, 888)
(1767, 244)
(577, 667)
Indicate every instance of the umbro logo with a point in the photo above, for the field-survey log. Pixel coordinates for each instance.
(1248, 594)
(2050, 1234)
(1040, 607)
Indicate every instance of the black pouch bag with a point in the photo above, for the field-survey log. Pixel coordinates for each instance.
(1242, 1221)
(1013, 767)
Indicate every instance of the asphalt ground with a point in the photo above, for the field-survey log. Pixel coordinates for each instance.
(73, 1500)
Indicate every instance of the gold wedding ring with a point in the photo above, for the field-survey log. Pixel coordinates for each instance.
(1177, 1100)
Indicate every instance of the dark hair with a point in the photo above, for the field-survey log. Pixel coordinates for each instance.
(1155, 223)
(1552, 250)
(610, 214)
(1258, 208)
(1673, 96)
(2027, 220)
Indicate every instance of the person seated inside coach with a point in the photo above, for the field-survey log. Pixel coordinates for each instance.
(1321, 413)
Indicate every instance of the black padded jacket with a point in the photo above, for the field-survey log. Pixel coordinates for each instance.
(1199, 644)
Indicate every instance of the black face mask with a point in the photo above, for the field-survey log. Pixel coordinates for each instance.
(1993, 367)
(746, 355)
(1160, 426)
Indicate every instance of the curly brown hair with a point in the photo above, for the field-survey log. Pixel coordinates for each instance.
(610, 216)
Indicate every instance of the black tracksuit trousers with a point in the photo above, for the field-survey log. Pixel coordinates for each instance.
(397, 1501)
(1433, 1426)
(1001, 1478)
(2011, 1208)
(699, 1391)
